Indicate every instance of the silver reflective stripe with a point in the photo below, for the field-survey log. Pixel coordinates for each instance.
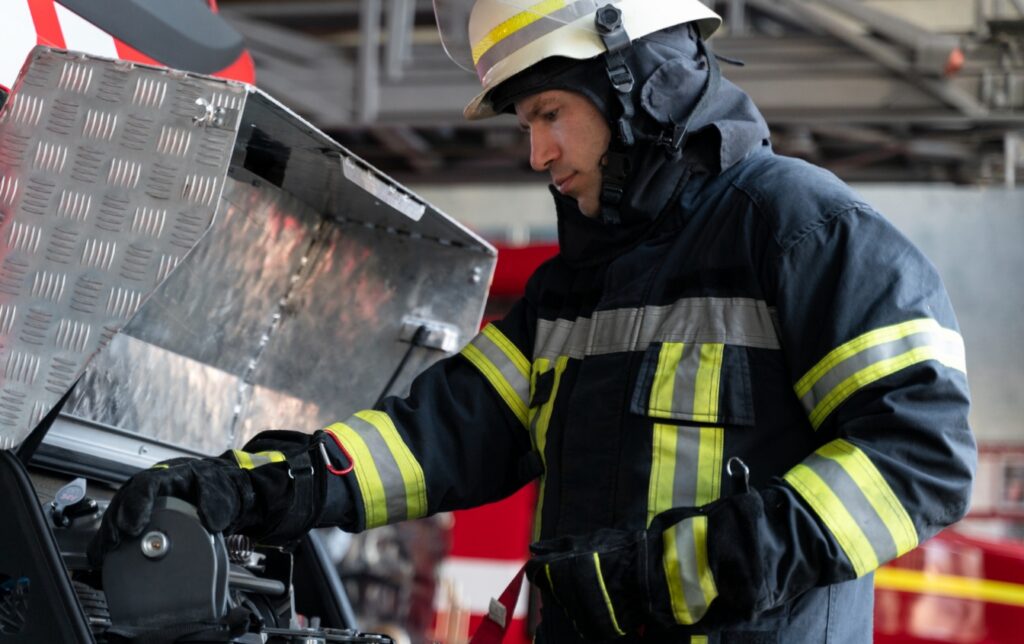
(387, 468)
(685, 386)
(737, 321)
(686, 546)
(684, 492)
(538, 24)
(504, 366)
(870, 356)
(858, 505)
(873, 356)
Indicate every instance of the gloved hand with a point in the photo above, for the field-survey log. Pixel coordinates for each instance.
(613, 582)
(275, 489)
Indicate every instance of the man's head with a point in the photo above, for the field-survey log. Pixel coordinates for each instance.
(591, 60)
(568, 139)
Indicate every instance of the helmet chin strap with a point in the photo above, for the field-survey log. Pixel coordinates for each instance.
(616, 165)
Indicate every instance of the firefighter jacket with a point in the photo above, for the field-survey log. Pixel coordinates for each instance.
(767, 314)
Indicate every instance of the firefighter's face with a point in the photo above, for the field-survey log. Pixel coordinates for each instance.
(568, 140)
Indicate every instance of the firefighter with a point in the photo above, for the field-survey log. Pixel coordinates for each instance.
(741, 389)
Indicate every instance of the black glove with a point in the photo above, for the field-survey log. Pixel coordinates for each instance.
(277, 492)
(613, 583)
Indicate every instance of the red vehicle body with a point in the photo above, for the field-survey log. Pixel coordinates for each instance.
(27, 23)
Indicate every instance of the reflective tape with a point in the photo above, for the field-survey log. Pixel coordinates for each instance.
(701, 320)
(686, 471)
(851, 497)
(504, 367)
(525, 27)
(248, 461)
(390, 478)
(539, 430)
(690, 582)
(604, 593)
(873, 356)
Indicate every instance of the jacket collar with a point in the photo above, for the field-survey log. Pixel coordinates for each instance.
(730, 130)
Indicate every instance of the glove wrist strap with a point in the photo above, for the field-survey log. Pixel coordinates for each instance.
(306, 499)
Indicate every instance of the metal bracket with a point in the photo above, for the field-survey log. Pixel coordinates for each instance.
(210, 115)
(440, 336)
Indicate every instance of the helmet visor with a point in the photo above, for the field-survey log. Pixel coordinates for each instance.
(505, 22)
(452, 17)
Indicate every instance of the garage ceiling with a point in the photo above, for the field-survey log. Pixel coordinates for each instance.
(854, 86)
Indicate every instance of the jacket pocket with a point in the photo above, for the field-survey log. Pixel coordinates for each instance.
(703, 383)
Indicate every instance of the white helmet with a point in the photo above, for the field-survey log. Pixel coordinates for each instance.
(500, 38)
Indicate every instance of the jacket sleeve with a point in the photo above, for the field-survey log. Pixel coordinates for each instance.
(878, 365)
(458, 440)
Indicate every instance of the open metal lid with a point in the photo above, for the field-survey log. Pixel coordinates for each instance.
(220, 263)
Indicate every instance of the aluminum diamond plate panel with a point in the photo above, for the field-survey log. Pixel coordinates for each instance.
(229, 266)
(109, 175)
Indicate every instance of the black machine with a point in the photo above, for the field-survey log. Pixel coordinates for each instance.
(177, 583)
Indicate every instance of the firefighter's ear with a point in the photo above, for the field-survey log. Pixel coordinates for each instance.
(670, 94)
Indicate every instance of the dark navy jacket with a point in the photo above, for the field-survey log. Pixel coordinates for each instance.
(770, 315)
(747, 306)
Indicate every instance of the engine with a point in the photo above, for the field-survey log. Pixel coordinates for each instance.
(179, 583)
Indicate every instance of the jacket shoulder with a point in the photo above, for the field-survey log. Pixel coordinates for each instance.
(795, 197)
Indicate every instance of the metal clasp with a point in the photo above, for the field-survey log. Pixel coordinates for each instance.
(327, 459)
(741, 475)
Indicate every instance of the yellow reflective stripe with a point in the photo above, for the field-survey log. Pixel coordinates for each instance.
(510, 350)
(674, 575)
(927, 583)
(709, 465)
(858, 344)
(371, 488)
(412, 473)
(500, 385)
(542, 421)
(707, 579)
(491, 345)
(663, 470)
(249, 461)
(873, 356)
(540, 367)
(663, 387)
(837, 518)
(243, 459)
(607, 599)
(705, 404)
(876, 490)
(709, 375)
(699, 639)
(873, 373)
(514, 24)
(687, 473)
(160, 466)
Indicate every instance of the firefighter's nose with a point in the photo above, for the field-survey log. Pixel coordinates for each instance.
(543, 150)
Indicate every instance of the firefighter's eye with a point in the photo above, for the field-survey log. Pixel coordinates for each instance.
(550, 116)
